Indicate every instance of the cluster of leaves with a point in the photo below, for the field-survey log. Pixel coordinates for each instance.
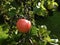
(12, 10)
(44, 7)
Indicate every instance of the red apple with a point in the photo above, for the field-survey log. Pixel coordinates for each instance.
(23, 25)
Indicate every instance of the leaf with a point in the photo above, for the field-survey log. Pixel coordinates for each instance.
(40, 11)
(3, 34)
(42, 43)
(48, 39)
(33, 30)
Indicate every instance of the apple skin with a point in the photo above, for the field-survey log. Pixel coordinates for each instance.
(23, 25)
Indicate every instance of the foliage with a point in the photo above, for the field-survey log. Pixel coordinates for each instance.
(12, 10)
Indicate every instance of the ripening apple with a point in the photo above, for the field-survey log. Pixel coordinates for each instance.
(23, 25)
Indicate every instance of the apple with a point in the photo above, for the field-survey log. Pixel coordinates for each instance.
(23, 25)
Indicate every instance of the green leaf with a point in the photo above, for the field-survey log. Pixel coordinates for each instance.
(3, 34)
(33, 30)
